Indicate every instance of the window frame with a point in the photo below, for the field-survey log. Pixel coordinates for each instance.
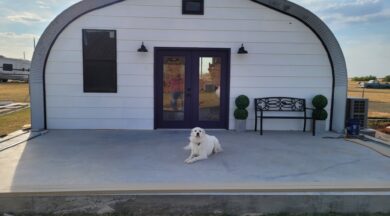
(86, 88)
(187, 12)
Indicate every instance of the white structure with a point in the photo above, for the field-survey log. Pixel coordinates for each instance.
(291, 53)
(20, 69)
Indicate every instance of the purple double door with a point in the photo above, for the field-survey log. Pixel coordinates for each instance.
(191, 87)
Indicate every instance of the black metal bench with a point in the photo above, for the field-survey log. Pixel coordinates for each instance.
(280, 104)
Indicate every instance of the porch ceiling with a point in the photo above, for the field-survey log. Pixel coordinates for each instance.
(153, 161)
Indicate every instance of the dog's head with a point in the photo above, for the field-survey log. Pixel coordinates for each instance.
(198, 132)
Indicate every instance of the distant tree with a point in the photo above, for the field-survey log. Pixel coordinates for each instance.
(386, 79)
(364, 78)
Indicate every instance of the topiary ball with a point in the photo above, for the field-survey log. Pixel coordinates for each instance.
(242, 102)
(241, 114)
(320, 114)
(320, 102)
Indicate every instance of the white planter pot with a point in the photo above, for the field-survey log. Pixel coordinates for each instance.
(320, 127)
(240, 125)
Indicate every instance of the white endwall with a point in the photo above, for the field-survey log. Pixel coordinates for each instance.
(285, 59)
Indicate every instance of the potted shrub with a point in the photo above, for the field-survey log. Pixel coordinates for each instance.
(241, 114)
(319, 113)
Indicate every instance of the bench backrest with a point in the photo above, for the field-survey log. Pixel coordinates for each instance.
(285, 104)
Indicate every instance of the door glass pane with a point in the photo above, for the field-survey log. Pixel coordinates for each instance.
(173, 99)
(209, 88)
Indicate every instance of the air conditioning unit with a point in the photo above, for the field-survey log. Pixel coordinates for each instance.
(357, 108)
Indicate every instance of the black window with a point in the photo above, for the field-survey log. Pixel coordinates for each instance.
(99, 61)
(195, 7)
(8, 67)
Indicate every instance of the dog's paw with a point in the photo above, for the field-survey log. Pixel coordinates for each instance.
(189, 161)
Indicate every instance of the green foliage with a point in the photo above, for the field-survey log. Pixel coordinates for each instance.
(320, 102)
(242, 102)
(320, 114)
(386, 79)
(241, 114)
(364, 78)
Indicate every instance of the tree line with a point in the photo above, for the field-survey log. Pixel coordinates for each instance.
(368, 78)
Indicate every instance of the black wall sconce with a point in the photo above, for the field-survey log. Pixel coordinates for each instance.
(143, 48)
(242, 50)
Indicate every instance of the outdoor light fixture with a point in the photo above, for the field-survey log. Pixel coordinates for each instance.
(143, 48)
(242, 50)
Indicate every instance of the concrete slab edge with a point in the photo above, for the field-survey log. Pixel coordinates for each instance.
(330, 187)
(382, 149)
(236, 204)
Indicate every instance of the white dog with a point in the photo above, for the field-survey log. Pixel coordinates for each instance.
(201, 145)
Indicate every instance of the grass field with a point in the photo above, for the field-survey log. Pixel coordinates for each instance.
(14, 121)
(14, 91)
(379, 105)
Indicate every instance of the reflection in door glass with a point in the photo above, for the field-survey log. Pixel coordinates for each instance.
(209, 88)
(173, 99)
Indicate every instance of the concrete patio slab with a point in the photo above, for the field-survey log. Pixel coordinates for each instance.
(153, 161)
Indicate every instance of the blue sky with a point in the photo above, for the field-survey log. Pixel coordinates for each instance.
(361, 26)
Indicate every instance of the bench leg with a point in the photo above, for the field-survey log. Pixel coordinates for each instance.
(261, 126)
(304, 125)
(256, 124)
(314, 127)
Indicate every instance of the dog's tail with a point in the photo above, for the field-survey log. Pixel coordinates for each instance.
(217, 146)
(188, 147)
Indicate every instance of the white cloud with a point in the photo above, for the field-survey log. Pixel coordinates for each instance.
(348, 11)
(26, 18)
(13, 45)
(43, 4)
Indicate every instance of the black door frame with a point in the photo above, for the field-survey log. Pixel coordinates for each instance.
(225, 94)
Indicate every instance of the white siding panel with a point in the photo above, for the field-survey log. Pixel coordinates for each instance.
(271, 59)
(197, 24)
(63, 68)
(74, 44)
(77, 90)
(66, 56)
(100, 102)
(279, 82)
(77, 79)
(81, 123)
(100, 113)
(204, 36)
(285, 59)
(300, 92)
(213, 3)
(277, 71)
(210, 13)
